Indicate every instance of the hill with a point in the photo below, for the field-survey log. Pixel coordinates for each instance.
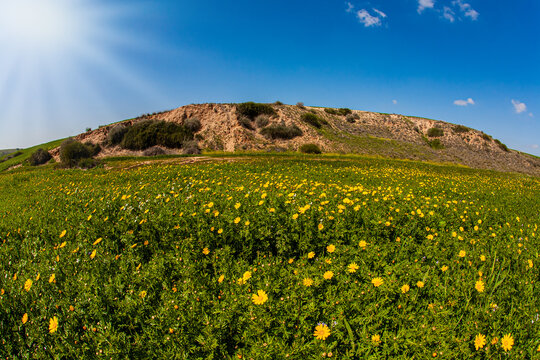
(278, 127)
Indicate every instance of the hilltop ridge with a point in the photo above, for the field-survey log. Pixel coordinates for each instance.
(225, 128)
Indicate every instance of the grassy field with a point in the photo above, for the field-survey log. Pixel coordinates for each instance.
(26, 153)
(269, 258)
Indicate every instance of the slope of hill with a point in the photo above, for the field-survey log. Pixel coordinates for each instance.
(223, 127)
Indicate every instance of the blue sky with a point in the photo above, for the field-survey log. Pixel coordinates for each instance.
(85, 63)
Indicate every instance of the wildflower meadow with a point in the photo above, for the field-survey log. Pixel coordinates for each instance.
(267, 258)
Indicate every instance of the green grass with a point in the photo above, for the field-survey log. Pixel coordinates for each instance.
(137, 256)
(26, 154)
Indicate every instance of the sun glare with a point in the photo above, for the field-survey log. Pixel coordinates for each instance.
(61, 56)
(37, 25)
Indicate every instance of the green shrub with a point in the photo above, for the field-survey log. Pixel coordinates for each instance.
(300, 105)
(278, 103)
(501, 145)
(280, 131)
(251, 110)
(331, 111)
(191, 148)
(486, 137)
(262, 120)
(245, 122)
(116, 135)
(154, 151)
(352, 118)
(88, 163)
(193, 124)
(313, 120)
(344, 111)
(39, 157)
(435, 144)
(310, 149)
(150, 133)
(460, 129)
(435, 132)
(72, 152)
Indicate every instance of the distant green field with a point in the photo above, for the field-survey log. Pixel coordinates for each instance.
(253, 257)
(26, 154)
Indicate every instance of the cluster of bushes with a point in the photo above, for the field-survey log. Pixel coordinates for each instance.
(310, 149)
(340, 112)
(39, 157)
(76, 154)
(313, 120)
(460, 129)
(352, 118)
(149, 133)
(435, 132)
(281, 131)
(251, 110)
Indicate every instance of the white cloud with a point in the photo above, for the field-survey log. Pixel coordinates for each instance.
(394, 102)
(448, 14)
(531, 115)
(534, 146)
(467, 9)
(381, 14)
(350, 7)
(425, 4)
(367, 19)
(519, 107)
(469, 101)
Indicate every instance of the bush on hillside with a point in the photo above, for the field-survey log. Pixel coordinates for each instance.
(154, 151)
(39, 157)
(191, 148)
(72, 152)
(435, 132)
(501, 145)
(245, 122)
(344, 111)
(486, 137)
(300, 105)
(193, 124)
(251, 110)
(310, 149)
(116, 135)
(331, 111)
(281, 131)
(351, 118)
(148, 133)
(313, 120)
(262, 120)
(460, 129)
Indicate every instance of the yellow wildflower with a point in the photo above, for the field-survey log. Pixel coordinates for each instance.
(362, 244)
(237, 220)
(221, 278)
(479, 341)
(308, 282)
(462, 253)
(328, 275)
(377, 281)
(53, 324)
(25, 318)
(376, 339)
(63, 233)
(420, 284)
(320, 227)
(479, 286)
(322, 331)
(352, 267)
(52, 278)
(93, 254)
(246, 276)
(507, 342)
(28, 285)
(311, 255)
(405, 288)
(330, 248)
(259, 298)
(206, 251)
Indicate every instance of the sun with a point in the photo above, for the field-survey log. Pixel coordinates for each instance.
(39, 26)
(58, 59)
